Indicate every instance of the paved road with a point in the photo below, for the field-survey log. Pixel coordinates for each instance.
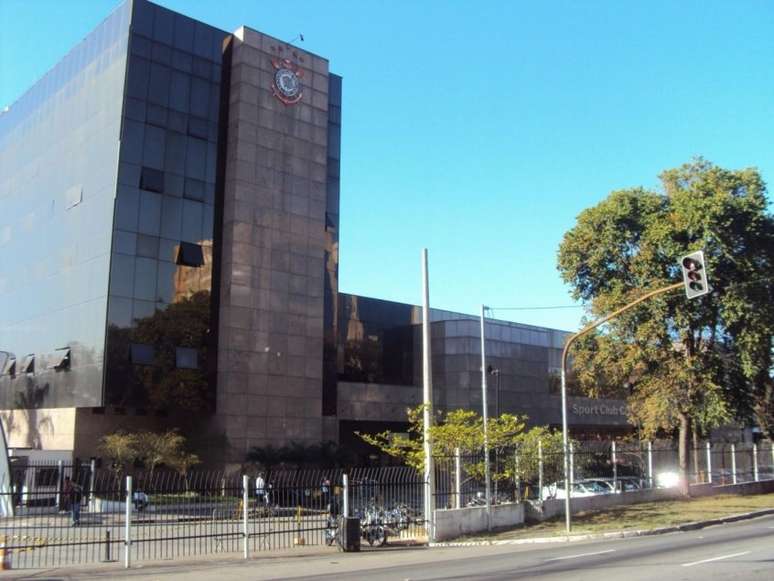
(743, 550)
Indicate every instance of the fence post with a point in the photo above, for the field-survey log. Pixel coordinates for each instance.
(345, 492)
(457, 478)
(572, 466)
(60, 480)
(709, 462)
(128, 523)
(615, 468)
(540, 469)
(92, 478)
(245, 522)
(755, 462)
(650, 464)
(733, 463)
(107, 545)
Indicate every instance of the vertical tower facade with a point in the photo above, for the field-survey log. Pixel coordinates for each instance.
(279, 249)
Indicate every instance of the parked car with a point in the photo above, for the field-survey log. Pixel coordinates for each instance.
(629, 483)
(606, 484)
(621, 484)
(580, 489)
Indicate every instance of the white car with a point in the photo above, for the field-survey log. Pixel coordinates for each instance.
(580, 489)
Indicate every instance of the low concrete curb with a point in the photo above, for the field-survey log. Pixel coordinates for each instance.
(692, 526)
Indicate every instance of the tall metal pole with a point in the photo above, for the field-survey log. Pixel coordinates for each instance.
(565, 352)
(566, 451)
(485, 415)
(709, 462)
(427, 401)
(128, 524)
(540, 469)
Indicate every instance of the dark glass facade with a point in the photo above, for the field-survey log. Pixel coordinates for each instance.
(107, 181)
(59, 151)
(161, 279)
(378, 341)
(331, 288)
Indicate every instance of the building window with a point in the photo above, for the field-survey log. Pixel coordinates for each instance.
(152, 180)
(28, 364)
(141, 354)
(9, 366)
(189, 254)
(61, 359)
(73, 196)
(186, 358)
(46, 476)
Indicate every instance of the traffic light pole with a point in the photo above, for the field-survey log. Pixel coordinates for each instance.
(565, 352)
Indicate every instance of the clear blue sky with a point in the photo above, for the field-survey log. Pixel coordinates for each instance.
(481, 129)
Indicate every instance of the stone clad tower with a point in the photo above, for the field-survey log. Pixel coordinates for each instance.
(277, 248)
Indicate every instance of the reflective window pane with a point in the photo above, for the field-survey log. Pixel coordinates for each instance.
(145, 279)
(150, 213)
(152, 179)
(186, 358)
(142, 354)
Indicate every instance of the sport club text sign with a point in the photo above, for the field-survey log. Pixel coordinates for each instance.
(598, 409)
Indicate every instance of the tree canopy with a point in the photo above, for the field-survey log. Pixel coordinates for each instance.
(680, 363)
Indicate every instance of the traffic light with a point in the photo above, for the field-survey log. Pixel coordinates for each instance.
(694, 275)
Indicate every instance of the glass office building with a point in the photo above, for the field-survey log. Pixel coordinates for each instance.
(169, 231)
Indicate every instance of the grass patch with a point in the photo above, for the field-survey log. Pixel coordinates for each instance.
(190, 498)
(647, 515)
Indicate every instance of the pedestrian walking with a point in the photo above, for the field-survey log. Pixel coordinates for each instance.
(260, 489)
(73, 493)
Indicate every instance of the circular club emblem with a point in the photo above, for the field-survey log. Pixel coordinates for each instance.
(287, 82)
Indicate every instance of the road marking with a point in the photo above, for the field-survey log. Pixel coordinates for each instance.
(581, 555)
(716, 559)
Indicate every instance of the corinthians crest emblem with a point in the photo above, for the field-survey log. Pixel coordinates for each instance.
(287, 81)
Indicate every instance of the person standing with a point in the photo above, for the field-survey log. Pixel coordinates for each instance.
(260, 489)
(73, 494)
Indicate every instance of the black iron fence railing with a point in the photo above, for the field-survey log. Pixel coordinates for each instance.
(58, 514)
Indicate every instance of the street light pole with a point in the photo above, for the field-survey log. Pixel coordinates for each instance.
(565, 352)
(485, 416)
(427, 403)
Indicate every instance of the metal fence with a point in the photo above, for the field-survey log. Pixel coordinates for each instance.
(595, 467)
(60, 514)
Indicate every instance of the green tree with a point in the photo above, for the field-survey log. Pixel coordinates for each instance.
(182, 462)
(121, 448)
(682, 364)
(164, 448)
(457, 429)
(528, 466)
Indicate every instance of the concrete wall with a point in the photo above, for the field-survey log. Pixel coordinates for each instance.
(39, 429)
(762, 487)
(555, 507)
(453, 523)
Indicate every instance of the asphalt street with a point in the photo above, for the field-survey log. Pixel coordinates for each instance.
(742, 550)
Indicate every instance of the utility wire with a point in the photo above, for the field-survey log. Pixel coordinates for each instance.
(535, 308)
(582, 306)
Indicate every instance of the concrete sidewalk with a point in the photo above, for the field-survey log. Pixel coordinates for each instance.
(311, 561)
(301, 561)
